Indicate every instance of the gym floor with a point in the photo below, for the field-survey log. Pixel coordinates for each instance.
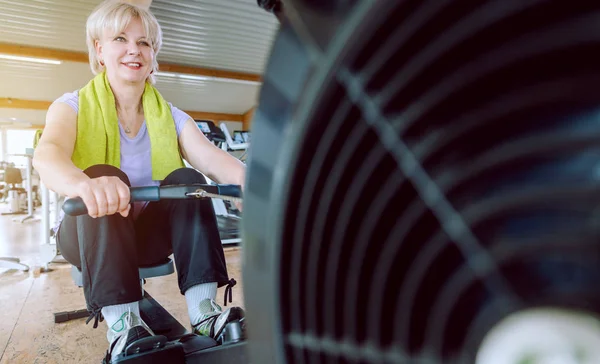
(28, 300)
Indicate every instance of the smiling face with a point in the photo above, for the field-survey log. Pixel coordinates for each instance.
(128, 56)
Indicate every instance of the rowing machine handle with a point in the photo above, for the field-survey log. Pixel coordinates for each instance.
(75, 206)
(229, 190)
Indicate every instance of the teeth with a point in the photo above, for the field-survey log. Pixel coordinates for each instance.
(133, 64)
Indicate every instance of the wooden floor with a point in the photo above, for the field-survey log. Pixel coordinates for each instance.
(28, 300)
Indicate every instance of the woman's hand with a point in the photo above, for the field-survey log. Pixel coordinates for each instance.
(213, 162)
(104, 196)
(240, 205)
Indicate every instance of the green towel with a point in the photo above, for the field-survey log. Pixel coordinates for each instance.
(98, 138)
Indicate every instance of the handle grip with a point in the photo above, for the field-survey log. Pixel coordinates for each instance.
(75, 206)
(229, 190)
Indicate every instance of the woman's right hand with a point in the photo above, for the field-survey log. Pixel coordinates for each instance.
(104, 196)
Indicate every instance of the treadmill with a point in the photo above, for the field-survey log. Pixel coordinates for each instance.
(228, 217)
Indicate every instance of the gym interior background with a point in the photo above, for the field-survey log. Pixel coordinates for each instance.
(211, 63)
(426, 176)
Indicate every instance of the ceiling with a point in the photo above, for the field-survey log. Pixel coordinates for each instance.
(232, 35)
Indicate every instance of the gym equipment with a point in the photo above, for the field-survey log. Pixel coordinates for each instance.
(230, 143)
(75, 206)
(3, 185)
(17, 191)
(172, 342)
(241, 136)
(50, 218)
(228, 220)
(12, 177)
(211, 131)
(422, 174)
(221, 137)
(13, 263)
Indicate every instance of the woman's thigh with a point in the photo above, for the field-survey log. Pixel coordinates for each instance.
(153, 235)
(154, 224)
(67, 235)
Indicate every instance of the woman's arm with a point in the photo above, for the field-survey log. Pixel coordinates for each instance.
(203, 155)
(52, 156)
(52, 159)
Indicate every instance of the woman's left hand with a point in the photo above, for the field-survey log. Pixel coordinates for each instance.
(240, 204)
(213, 162)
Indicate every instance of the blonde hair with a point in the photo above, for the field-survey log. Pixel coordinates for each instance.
(115, 15)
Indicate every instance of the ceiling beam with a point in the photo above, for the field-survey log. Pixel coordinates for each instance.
(38, 52)
(72, 56)
(11, 103)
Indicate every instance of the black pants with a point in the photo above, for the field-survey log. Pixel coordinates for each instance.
(108, 250)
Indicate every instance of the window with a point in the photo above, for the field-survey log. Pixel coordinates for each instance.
(2, 138)
(17, 141)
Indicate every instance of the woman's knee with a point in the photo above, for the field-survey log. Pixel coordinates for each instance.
(105, 170)
(67, 242)
(184, 176)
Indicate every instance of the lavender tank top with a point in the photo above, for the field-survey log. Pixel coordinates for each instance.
(136, 159)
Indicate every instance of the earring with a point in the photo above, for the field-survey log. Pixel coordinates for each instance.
(101, 63)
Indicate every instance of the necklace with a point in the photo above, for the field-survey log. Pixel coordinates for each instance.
(125, 127)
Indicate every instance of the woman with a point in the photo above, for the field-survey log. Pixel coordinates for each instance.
(117, 132)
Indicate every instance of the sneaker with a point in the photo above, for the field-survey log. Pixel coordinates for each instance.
(126, 330)
(214, 319)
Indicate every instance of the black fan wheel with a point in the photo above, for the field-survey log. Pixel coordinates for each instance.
(421, 170)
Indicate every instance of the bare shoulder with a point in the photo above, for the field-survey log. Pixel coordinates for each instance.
(61, 126)
(61, 113)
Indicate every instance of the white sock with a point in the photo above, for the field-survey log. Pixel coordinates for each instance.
(113, 313)
(196, 294)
